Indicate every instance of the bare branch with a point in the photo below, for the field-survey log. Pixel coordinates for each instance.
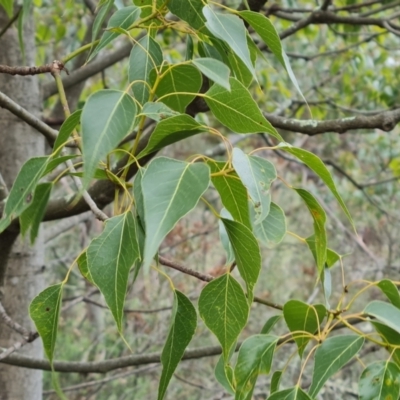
(13, 324)
(24, 71)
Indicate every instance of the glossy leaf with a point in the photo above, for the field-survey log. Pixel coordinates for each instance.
(110, 257)
(301, 317)
(107, 117)
(294, 393)
(171, 130)
(145, 55)
(183, 327)
(380, 381)
(255, 358)
(170, 189)
(178, 85)
(224, 309)
(223, 234)
(224, 375)
(33, 215)
(386, 313)
(232, 192)
(22, 191)
(158, 111)
(189, 11)
(122, 18)
(315, 163)
(272, 229)
(230, 28)
(257, 175)
(275, 381)
(45, 311)
(319, 217)
(270, 324)
(66, 129)
(331, 356)
(237, 109)
(391, 291)
(214, 70)
(247, 253)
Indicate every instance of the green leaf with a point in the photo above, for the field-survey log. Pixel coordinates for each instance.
(391, 291)
(214, 70)
(177, 86)
(146, 55)
(189, 48)
(183, 327)
(391, 337)
(275, 381)
(386, 313)
(83, 267)
(100, 18)
(237, 109)
(232, 192)
(331, 256)
(107, 117)
(171, 130)
(380, 381)
(270, 324)
(138, 195)
(272, 229)
(8, 6)
(33, 215)
(263, 26)
(170, 189)
(301, 317)
(247, 253)
(238, 68)
(22, 191)
(122, 18)
(316, 164)
(295, 393)
(66, 129)
(319, 217)
(223, 234)
(224, 309)
(158, 111)
(147, 9)
(230, 28)
(110, 257)
(189, 11)
(331, 356)
(255, 358)
(257, 175)
(45, 311)
(224, 375)
(55, 162)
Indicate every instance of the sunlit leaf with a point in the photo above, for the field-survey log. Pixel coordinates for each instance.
(302, 317)
(380, 381)
(110, 257)
(237, 109)
(45, 312)
(331, 356)
(257, 175)
(224, 309)
(170, 189)
(8, 6)
(183, 327)
(145, 55)
(214, 70)
(255, 358)
(107, 117)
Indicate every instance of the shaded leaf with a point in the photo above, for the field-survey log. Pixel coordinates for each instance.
(55, 162)
(224, 375)
(22, 191)
(33, 215)
(223, 234)
(183, 327)
(386, 313)
(170, 189)
(270, 324)
(83, 267)
(391, 337)
(66, 129)
(331, 356)
(145, 55)
(189, 11)
(237, 109)
(255, 358)
(171, 130)
(303, 317)
(224, 309)
(138, 195)
(177, 86)
(380, 381)
(275, 381)
(247, 253)
(214, 70)
(45, 311)
(110, 257)
(107, 117)
(101, 13)
(158, 111)
(391, 291)
(295, 393)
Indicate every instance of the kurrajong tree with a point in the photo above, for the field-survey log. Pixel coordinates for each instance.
(203, 68)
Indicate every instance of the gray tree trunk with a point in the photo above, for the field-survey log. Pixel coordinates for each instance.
(23, 277)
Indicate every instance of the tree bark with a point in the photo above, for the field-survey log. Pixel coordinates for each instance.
(21, 272)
